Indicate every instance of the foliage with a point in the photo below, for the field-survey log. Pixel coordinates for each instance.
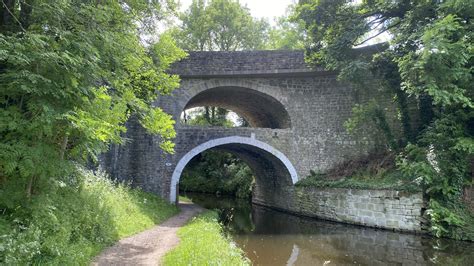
(287, 34)
(74, 221)
(208, 116)
(203, 243)
(217, 172)
(222, 25)
(184, 199)
(385, 180)
(372, 113)
(427, 61)
(72, 73)
(439, 162)
(227, 25)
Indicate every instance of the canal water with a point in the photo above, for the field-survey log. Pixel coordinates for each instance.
(275, 238)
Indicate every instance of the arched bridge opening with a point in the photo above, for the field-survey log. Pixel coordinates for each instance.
(258, 109)
(272, 169)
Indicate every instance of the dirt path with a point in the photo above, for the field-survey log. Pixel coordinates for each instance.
(148, 247)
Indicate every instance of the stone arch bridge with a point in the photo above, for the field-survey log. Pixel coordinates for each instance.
(296, 117)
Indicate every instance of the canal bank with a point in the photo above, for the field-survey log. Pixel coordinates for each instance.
(388, 209)
(270, 237)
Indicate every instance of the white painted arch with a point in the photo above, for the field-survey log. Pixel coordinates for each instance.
(222, 141)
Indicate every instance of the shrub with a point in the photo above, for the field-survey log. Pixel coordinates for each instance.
(72, 222)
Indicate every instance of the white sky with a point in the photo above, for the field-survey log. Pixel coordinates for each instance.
(258, 8)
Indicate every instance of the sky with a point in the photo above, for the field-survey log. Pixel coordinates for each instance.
(258, 8)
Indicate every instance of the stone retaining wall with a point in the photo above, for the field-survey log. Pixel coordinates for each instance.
(387, 209)
(468, 197)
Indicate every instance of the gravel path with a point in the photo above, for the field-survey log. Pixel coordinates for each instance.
(148, 247)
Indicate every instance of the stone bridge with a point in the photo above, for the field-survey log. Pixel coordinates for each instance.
(296, 116)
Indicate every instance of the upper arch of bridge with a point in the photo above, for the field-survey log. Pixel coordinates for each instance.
(243, 63)
(258, 109)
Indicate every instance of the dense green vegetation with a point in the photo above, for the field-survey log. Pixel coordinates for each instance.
(219, 25)
(426, 66)
(217, 172)
(72, 72)
(202, 242)
(227, 25)
(73, 222)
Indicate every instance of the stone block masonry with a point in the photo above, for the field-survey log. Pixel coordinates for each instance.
(388, 209)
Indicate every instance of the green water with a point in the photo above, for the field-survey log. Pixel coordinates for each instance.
(270, 237)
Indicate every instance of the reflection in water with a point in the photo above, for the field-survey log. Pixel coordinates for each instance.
(270, 237)
(294, 256)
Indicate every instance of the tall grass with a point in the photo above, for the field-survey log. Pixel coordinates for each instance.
(71, 223)
(203, 243)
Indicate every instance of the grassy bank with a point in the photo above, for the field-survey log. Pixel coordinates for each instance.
(385, 180)
(72, 222)
(203, 243)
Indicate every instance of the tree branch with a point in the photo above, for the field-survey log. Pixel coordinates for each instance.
(378, 34)
(13, 16)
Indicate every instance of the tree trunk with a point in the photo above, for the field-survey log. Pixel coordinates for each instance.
(29, 187)
(63, 147)
(207, 114)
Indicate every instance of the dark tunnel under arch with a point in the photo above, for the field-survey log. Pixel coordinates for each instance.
(267, 162)
(259, 109)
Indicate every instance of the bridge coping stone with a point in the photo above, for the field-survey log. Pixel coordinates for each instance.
(226, 63)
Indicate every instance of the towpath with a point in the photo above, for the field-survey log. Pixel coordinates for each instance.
(148, 247)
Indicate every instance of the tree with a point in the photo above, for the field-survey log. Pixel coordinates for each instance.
(220, 25)
(72, 73)
(208, 116)
(429, 60)
(288, 34)
(195, 34)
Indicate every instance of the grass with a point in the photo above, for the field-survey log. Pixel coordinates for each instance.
(384, 180)
(71, 224)
(203, 243)
(184, 199)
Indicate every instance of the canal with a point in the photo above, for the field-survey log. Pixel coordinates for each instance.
(271, 237)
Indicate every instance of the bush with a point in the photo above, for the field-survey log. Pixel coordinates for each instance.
(72, 222)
